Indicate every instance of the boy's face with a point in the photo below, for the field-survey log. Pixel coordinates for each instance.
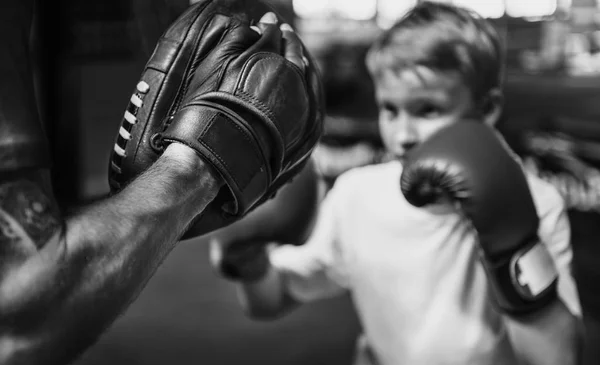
(416, 102)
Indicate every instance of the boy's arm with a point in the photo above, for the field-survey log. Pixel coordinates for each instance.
(267, 298)
(295, 275)
(470, 164)
(272, 281)
(551, 335)
(261, 287)
(547, 337)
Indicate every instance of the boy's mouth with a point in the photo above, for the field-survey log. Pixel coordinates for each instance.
(401, 155)
(394, 156)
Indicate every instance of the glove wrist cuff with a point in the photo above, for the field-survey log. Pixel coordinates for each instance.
(524, 283)
(218, 134)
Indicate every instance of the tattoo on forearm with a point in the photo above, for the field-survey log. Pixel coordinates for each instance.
(27, 214)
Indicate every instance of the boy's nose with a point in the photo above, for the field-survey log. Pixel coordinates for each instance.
(405, 135)
(407, 146)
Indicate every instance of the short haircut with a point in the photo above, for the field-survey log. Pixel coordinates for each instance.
(442, 37)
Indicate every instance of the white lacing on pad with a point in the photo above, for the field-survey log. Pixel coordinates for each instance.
(126, 135)
(143, 87)
(136, 101)
(119, 151)
(129, 117)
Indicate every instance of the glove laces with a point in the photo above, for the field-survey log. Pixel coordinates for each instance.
(129, 120)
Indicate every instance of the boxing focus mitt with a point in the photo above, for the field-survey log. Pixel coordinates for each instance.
(228, 92)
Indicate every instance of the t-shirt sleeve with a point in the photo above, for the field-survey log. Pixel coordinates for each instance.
(555, 232)
(315, 270)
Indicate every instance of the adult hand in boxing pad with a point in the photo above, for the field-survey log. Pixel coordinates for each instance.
(238, 252)
(249, 103)
(470, 165)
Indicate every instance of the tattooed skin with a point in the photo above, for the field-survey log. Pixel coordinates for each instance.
(27, 215)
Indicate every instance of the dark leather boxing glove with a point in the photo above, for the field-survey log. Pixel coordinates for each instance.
(219, 87)
(468, 163)
(238, 251)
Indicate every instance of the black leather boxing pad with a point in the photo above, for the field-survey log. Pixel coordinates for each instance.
(214, 84)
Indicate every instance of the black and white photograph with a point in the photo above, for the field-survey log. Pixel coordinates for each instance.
(300, 182)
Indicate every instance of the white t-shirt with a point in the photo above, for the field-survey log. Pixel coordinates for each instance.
(414, 276)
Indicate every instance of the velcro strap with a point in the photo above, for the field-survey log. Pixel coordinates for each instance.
(533, 271)
(526, 282)
(224, 140)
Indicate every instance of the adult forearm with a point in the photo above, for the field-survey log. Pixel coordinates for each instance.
(62, 297)
(547, 337)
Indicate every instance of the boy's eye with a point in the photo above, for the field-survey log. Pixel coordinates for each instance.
(388, 109)
(427, 110)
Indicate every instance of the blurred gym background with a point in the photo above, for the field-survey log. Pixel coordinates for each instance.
(93, 53)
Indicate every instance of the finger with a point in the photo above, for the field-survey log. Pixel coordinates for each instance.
(267, 20)
(293, 46)
(271, 37)
(256, 29)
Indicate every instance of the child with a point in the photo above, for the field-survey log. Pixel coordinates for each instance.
(414, 275)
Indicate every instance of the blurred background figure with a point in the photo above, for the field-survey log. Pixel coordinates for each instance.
(552, 119)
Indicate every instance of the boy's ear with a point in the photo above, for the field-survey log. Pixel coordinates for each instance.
(491, 106)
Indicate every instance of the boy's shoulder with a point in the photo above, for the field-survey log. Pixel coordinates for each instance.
(370, 176)
(367, 187)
